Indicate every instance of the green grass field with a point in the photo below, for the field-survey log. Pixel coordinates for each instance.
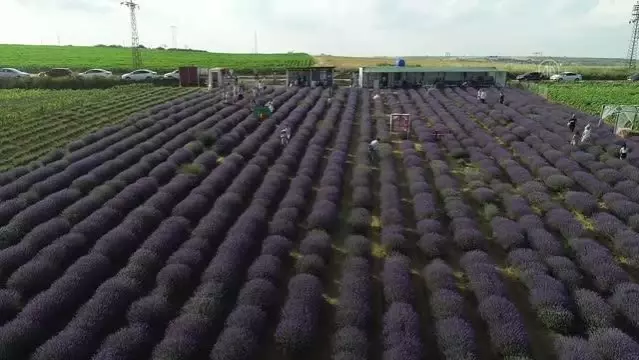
(590, 69)
(590, 96)
(34, 122)
(34, 58)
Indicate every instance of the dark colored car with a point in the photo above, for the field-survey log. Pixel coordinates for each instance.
(633, 77)
(531, 76)
(57, 72)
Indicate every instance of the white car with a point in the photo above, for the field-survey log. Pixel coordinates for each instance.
(11, 73)
(95, 73)
(566, 76)
(140, 75)
(175, 74)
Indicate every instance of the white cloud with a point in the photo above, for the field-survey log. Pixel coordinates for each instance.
(595, 28)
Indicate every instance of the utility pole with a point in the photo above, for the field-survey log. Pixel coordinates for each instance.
(634, 39)
(135, 40)
(255, 40)
(174, 43)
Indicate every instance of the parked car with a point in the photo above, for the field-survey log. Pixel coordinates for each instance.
(57, 72)
(531, 76)
(566, 76)
(11, 73)
(175, 74)
(140, 75)
(95, 73)
(633, 77)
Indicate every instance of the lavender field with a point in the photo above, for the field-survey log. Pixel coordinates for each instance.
(188, 232)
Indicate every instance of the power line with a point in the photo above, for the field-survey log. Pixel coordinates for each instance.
(135, 40)
(634, 39)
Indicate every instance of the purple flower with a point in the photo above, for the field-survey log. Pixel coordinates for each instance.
(574, 348)
(396, 277)
(527, 260)
(432, 244)
(594, 311)
(350, 340)
(558, 182)
(456, 338)
(507, 233)
(439, 275)
(625, 299)
(563, 221)
(613, 344)
(446, 303)
(581, 201)
(565, 270)
(401, 323)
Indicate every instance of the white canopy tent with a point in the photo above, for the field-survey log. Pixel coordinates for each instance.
(624, 117)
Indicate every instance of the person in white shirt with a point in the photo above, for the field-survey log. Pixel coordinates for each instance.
(373, 147)
(575, 138)
(586, 136)
(270, 106)
(482, 96)
(285, 136)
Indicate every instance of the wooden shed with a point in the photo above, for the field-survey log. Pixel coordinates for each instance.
(310, 76)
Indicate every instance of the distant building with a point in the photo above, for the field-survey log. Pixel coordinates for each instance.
(393, 76)
(310, 76)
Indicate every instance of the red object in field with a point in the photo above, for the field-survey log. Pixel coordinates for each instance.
(189, 76)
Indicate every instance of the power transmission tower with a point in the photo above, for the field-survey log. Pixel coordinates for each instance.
(634, 40)
(135, 40)
(174, 43)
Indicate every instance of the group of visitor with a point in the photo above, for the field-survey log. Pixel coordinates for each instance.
(578, 138)
(482, 95)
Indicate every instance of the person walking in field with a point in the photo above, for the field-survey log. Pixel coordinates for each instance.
(270, 106)
(572, 123)
(373, 149)
(482, 96)
(623, 152)
(586, 136)
(575, 139)
(285, 136)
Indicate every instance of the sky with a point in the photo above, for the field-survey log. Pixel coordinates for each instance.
(576, 28)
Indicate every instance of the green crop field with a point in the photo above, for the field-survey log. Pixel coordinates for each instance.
(34, 122)
(34, 58)
(591, 70)
(590, 96)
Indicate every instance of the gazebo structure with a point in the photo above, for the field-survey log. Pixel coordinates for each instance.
(622, 117)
